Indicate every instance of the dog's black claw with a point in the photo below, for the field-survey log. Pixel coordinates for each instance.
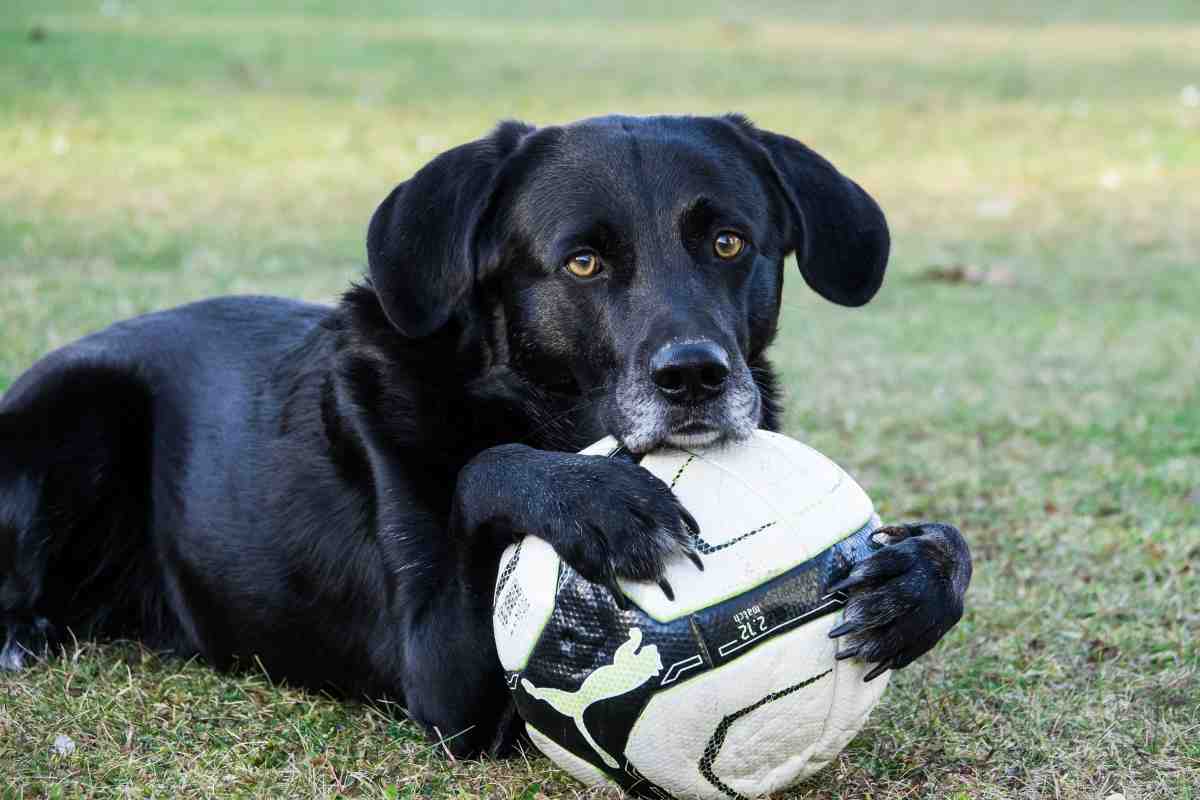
(667, 590)
(880, 668)
(890, 535)
(689, 521)
(847, 584)
(843, 629)
(695, 559)
(849, 652)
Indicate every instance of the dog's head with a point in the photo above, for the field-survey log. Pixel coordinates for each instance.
(636, 262)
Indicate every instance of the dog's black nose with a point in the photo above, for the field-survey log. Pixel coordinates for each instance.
(689, 372)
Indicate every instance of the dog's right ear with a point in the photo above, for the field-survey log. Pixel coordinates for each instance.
(421, 240)
(837, 230)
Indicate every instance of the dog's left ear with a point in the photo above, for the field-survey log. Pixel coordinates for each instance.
(837, 230)
(422, 239)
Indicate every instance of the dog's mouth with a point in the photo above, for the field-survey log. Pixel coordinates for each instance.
(690, 434)
(650, 424)
(695, 434)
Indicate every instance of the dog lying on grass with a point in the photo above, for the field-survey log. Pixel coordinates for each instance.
(329, 489)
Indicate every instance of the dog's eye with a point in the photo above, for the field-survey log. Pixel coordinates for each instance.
(728, 245)
(583, 265)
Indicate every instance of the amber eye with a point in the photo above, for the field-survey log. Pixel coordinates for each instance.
(583, 265)
(728, 245)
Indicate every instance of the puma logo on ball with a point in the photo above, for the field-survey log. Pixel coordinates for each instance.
(629, 670)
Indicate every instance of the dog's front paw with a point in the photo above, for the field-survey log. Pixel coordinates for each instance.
(611, 519)
(904, 597)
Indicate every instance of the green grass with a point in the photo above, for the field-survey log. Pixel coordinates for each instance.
(153, 153)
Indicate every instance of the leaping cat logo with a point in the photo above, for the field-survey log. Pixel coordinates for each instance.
(629, 670)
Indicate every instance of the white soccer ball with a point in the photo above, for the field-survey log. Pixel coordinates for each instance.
(729, 690)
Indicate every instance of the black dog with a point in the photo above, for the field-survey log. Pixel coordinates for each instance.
(329, 489)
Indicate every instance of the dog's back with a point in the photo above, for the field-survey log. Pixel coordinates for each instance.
(99, 437)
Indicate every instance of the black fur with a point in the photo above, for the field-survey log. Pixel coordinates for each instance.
(328, 489)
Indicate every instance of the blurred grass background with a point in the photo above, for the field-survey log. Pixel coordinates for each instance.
(1029, 371)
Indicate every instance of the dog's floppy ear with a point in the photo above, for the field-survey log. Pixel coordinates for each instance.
(421, 240)
(837, 231)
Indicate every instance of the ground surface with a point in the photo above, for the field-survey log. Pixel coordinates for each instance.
(1030, 370)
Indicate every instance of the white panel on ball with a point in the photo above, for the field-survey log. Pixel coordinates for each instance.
(758, 753)
(780, 501)
(574, 766)
(524, 599)
(852, 703)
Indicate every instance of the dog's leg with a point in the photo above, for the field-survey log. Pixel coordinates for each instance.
(25, 541)
(453, 685)
(73, 508)
(606, 517)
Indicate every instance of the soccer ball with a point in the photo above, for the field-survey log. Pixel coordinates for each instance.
(729, 690)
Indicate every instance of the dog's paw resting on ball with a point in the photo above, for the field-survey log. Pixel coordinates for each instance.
(901, 599)
(608, 518)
